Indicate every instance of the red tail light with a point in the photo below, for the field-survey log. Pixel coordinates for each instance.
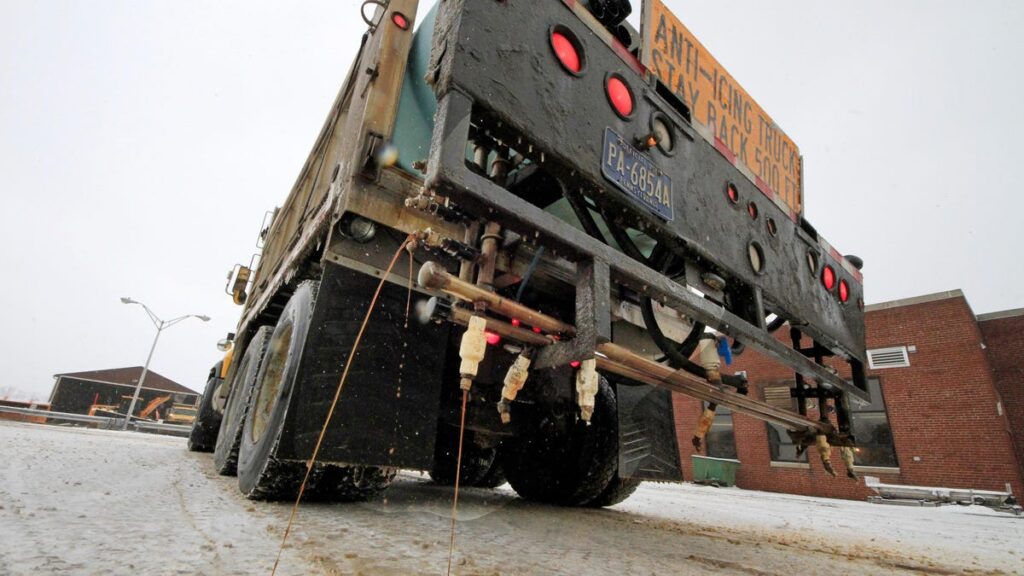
(844, 291)
(620, 96)
(400, 20)
(575, 363)
(516, 322)
(732, 193)
(828, 277)
(492, 338)
(566, 52)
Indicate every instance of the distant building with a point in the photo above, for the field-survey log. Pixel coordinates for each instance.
(77, 392)
(25, 404)
(946, 409)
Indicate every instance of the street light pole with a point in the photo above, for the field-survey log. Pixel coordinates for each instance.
(161, 325)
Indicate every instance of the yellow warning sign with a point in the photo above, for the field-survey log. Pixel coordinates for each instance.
(722, 111)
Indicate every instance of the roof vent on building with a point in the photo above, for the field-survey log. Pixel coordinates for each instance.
(888, 358)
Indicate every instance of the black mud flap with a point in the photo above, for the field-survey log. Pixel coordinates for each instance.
(648, 448)
(387, 413)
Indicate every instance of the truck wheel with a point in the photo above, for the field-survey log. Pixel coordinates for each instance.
(203, 435)
(261, 475)
(565, 465)
(476, 460)
(495, 476)
(225, 453)
(338, 483)
(617, 490)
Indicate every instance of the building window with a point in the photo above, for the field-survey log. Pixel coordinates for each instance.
(720, 438)
(780, 444)
(871, 429)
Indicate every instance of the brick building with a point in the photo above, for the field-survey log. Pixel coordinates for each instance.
(947, 398)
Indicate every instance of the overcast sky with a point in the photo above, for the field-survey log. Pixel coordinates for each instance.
(141, 143)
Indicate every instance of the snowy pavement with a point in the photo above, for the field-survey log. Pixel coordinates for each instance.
(79, 501)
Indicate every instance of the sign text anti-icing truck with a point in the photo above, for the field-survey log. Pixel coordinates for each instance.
(588, 218)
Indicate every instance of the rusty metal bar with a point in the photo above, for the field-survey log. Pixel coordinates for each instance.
(621, 361)
(610, 357)
(461, 316)
(435, 277)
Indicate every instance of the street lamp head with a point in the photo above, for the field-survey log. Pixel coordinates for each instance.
(126, 300)
(204, 318)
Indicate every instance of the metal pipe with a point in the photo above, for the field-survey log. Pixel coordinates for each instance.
(611, 357)
(466, 268)
(488, 255)
(461, 316)
(434, 276)
(624, 362)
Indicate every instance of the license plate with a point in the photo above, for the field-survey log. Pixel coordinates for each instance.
(636, 175)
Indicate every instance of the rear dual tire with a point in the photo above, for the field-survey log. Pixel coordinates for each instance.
(203, 435)
(574, 465)
(225, 453)
(565, 464)
(480, 468)
(262, 475)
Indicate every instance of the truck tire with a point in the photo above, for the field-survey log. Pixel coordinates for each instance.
(261, 475)
(225, 453)
(476, 460)
(495, 476)
(617, 490)
(340, 483)
(203, 435)
(565, 465)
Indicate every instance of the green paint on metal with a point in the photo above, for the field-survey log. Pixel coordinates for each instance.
(414, 121)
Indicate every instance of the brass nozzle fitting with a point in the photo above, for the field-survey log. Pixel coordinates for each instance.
(703, 425)
(587, 384)
(825, 452)
(515, 379)
(471, 351)
(847, 453)
(707, 351)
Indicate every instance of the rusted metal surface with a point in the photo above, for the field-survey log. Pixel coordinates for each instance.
(366, 103)
(621, 361)
(433, 276)
(560, 117)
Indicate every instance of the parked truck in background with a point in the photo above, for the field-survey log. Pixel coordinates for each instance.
(593, 218)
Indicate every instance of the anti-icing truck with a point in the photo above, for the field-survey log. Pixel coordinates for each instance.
(569, 221)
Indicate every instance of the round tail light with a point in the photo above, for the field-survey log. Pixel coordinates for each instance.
(620, 96)
(732, 193)
(566, 52)
(828, 277)
(844, 291)
(400, 20)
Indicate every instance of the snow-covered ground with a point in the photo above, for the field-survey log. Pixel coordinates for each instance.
(80, 501)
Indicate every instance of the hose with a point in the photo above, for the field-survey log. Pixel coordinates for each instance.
(583, 215)
(529, 273)
(624, 241)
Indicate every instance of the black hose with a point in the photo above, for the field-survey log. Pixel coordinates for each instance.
(678, 355)
(579, 207)
(623, 240)
(529, 273)
(675, 355)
